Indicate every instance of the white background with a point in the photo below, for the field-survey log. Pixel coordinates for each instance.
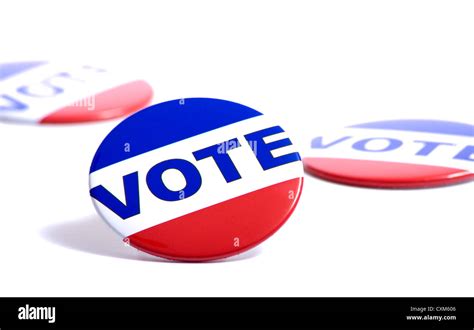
(312, 65)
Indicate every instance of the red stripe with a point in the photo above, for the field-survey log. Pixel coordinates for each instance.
(380, 174)
(113, 103)
(210, 232)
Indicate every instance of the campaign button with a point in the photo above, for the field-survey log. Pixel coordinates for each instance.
(55, 93)
(196, 179)
(395, 154)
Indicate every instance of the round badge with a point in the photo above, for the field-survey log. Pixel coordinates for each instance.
(395, 154)
(53, 93)
(196, 179)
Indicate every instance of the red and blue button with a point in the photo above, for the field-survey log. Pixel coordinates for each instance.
(196, 179)
(395, 154)
(55, 93)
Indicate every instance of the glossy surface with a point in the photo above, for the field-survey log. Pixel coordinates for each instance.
(196, 179)
(54, 93)
(395, 154)
(378, 174)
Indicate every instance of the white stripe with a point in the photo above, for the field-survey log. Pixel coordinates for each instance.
(214, 188)
(441, 156)
(92, 83)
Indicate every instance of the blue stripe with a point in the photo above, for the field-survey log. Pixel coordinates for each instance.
(422, 125)
(166, 123)
(11, 69)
